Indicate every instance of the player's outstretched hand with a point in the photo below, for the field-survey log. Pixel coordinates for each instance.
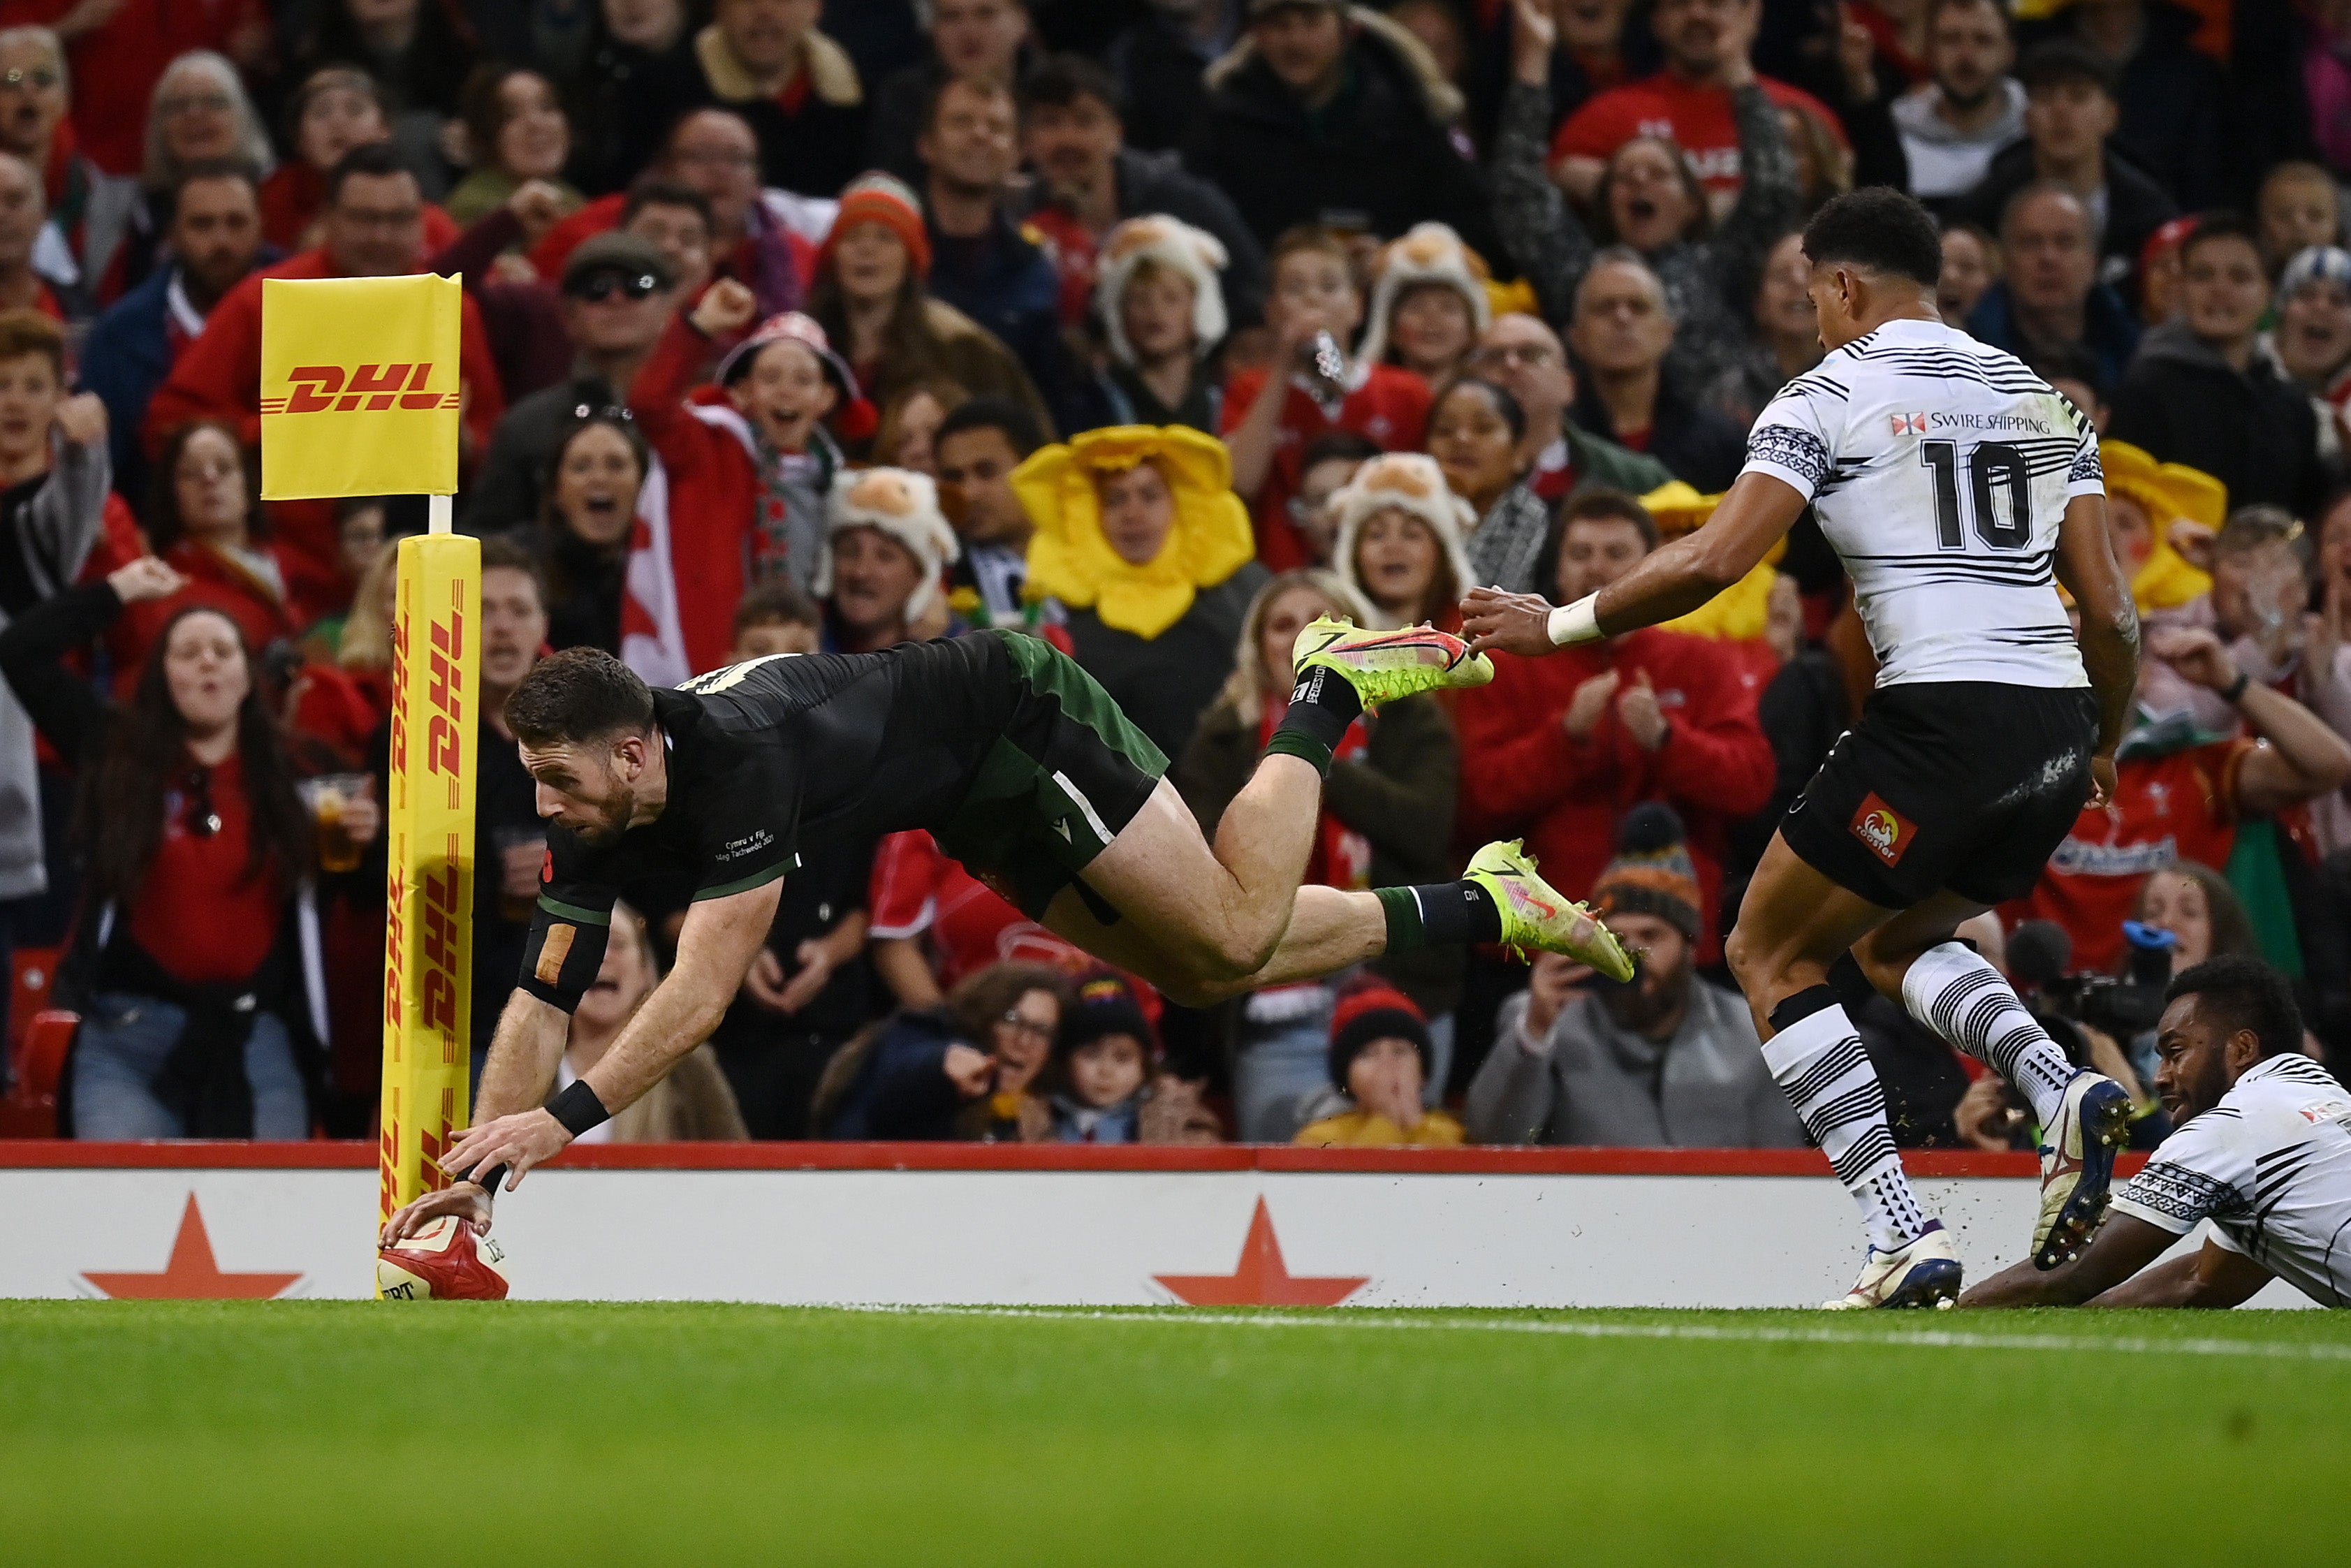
(467, 1200)
(522, 1140)
(1514, 623)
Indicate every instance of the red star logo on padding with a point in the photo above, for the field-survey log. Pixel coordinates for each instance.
(1261, 1278)
(191, 1275)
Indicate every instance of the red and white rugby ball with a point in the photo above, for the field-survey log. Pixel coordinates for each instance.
(446, 1261)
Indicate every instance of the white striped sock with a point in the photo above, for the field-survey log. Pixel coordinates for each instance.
(1819, 1065)
(1953, 991)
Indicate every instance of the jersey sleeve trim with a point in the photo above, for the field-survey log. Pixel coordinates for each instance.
(2088, 475)
(579, 913)
(1797, 457)
(757, 879)
(2172, 1197)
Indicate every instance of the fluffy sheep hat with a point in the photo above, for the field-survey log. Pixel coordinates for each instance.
(903, 504)
(1428, 253)
(1412, 483)
(1193, 255)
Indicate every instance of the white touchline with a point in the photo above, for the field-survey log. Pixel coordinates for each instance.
(1931, 1339)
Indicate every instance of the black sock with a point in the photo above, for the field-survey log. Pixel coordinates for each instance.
(1444, 913)
(1320, 711)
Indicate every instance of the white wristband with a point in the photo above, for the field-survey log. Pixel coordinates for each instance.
(1576, 623)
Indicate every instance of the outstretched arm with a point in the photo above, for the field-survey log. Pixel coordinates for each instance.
(2123, 1246)
(714, 952)
(1673, 580)
(2213, 1277)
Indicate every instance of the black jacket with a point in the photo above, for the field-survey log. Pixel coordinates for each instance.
(2250, 429)
(2135, 206)
(2172, 96)
(1699, 445)
(1165, 682)
(1380, 156)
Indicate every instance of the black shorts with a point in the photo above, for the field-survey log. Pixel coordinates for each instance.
(1964, 785)
(1062, 777)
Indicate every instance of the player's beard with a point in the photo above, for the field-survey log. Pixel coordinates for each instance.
(610, 819)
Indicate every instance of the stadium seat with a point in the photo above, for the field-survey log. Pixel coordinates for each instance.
(30, 1110)
(32, 972)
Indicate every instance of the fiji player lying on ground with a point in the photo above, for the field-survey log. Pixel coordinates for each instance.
(2262, 1149)
(1024, 769)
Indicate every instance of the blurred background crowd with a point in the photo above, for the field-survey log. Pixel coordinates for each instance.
(1181, 323)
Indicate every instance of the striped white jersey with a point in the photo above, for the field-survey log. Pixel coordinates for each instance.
(1939, 469)
(2270, 1166)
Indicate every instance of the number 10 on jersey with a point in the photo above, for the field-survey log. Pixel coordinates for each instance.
(1992, 467)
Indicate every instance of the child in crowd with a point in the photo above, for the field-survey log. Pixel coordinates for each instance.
(1400, 545)
(776, 618)
(1379, 1058)
(1272, 415)
(1164, 312)
(1430, 305)
(1101, 1077)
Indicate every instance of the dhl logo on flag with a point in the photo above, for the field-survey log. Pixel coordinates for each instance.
(360, 386)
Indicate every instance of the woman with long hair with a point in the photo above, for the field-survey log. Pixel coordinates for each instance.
(585, 524)
(200, 1013)
(1387, 813)
(516, 131)
(1400, 542)
(1477, 433)
(869, 295)
(694, 1103)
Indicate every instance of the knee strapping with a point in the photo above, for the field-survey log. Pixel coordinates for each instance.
(1793, 1010)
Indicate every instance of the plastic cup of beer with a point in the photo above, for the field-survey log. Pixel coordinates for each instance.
(325, 795)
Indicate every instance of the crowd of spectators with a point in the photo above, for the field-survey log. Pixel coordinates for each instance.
(1156, 329)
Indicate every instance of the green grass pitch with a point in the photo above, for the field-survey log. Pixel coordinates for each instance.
(320, 1433)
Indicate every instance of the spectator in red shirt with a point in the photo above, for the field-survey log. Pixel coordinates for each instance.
(1271, 416)
(186, 965)
(1560, 755)
(374, 228)
(1707, 43)
(22, 215)
(2183, 803)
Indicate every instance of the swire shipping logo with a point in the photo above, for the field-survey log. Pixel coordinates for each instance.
(1885, 831)
(1904, 424)
(321, 389)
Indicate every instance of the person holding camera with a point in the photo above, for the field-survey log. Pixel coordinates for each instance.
(1663, 1060)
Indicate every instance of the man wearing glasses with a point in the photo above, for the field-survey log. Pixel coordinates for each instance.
(1525, 357)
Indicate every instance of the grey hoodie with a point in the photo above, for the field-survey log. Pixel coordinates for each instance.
(1945, 163)
(52, 533)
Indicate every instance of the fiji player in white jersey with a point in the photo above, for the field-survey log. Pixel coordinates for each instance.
(2263, 1149)
(1960, 491)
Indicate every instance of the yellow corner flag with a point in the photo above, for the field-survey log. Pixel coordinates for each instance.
(359, 386)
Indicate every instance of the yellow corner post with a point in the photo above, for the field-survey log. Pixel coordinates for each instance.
(361, 396)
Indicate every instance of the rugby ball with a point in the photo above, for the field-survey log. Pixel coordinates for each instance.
(446, 1261)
